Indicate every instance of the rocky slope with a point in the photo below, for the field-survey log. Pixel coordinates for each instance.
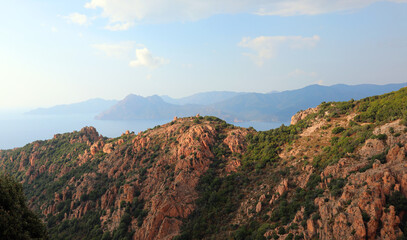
(148, 178)
(338, 172)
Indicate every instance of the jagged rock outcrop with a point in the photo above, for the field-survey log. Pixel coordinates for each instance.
(302, 115)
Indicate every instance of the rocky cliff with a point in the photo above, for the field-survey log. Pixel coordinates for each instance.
(338, 172)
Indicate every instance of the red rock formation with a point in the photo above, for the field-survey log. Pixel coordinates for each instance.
(302, 114)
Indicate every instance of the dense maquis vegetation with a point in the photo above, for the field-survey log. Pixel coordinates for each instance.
(17, 221)
(383, 108)
(220, 194)
(371, 112)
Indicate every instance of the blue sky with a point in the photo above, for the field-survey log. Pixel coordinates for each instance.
(54, 52)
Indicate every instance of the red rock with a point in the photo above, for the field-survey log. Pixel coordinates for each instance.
(396, 154)
(372, 147)
(390, 225)
(283, 187)
(302, 114)
(311, 230)
(258, 207)
(108, 148)
(96, 147)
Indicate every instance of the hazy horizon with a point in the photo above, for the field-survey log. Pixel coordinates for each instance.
(60, 52)
(25, 109)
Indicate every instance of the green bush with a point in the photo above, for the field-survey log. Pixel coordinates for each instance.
(383, 108)
(290, 236)
(398, 200)
(336, 185)
(365, 216)
(338, 130)
(16, 220)
(382, 137)
(281, 230)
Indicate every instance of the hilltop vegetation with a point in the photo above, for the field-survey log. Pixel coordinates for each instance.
(16, 220)
(340, 172)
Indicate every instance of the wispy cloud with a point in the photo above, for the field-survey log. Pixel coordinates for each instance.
(144, 58)
(122, 14)
(266, 47)
(77, 18)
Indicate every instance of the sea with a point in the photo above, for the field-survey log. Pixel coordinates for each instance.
(18, 129)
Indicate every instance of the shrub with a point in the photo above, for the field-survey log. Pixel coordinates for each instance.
(281, 230)
(336, 186)
(17, 221)
(290, 236)
(365, 216)
(338, 130)
(398, 200)
(380, 137)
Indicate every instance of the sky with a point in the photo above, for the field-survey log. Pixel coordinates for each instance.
(66, 51)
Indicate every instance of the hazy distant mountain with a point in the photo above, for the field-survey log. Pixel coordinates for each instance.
(137, 107)
(281, 106)
(268, 107)
(204, 98)
(91, 106)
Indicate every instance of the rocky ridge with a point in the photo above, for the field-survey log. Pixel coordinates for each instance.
(159, 167)
(338, 172)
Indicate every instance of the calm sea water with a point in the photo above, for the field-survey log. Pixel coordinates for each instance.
(18, 129)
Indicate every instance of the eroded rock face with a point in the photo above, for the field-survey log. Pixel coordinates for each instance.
(302, 114)
(175, 200)
(162, 168)
(96, 147)
(372, 147)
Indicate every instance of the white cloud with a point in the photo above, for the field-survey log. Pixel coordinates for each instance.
(54, 29)
(77, 18)
(265, 47)
(144, 58)
(122, 14)
(116, 50)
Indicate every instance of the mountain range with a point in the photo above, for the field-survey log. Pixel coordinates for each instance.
(241, 107)
(91, 106)
(230, 106)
